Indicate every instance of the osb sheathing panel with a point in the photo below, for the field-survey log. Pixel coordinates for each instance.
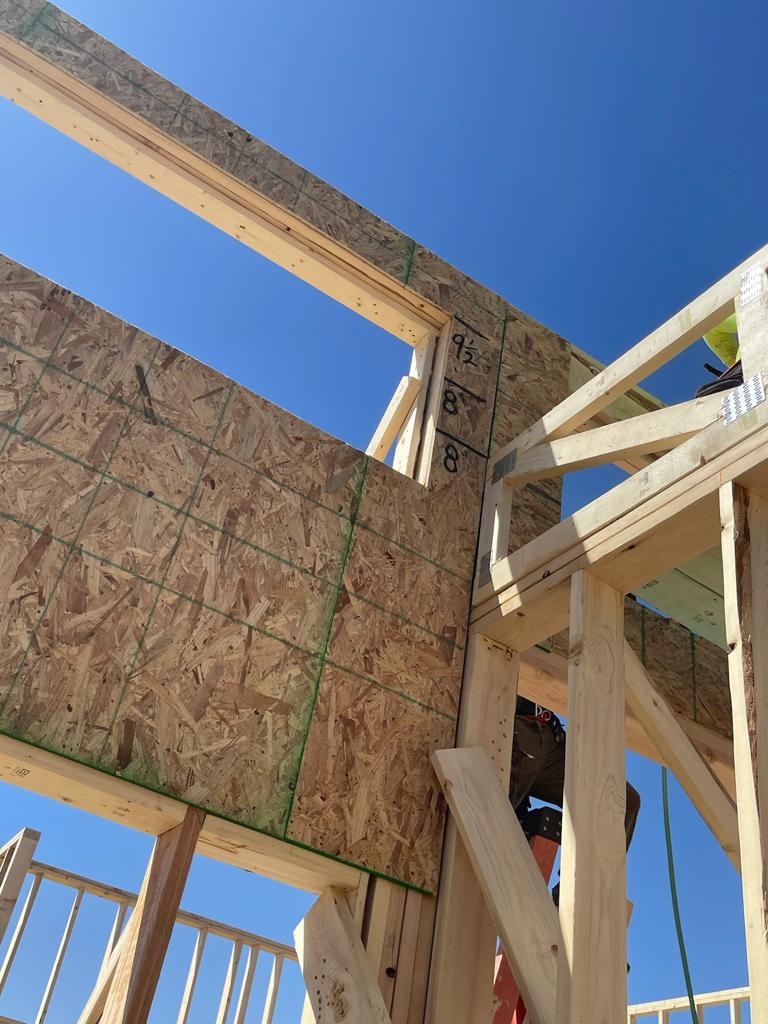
(690, 672)
(201, 515)
(184, 565)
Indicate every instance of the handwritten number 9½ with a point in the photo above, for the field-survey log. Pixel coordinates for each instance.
(451, 458)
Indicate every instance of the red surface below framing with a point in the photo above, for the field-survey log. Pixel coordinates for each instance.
(508, 1005)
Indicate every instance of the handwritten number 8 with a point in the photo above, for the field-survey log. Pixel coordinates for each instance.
(451, 458)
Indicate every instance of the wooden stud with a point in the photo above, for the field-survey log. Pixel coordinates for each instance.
(15, 858)
(678, 751)
(192, 973)
(407, 449)
(745, 572)
(61, 952)
(340, 982)
(509, 877)
(272, 991)
(592, 975)
(395, 415)
(461, 976)
(138, 971)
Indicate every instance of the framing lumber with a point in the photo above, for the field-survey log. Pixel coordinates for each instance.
(680, 754)
(15, 858)
(97, 1000)
(132, 144)
(407, 448)
(395, 415)
(147, 811)
(461, 980)
(745, 571)
(149, 931)
(705, 312)
(652, 432)
(641, 529)
(544, 678)
(509, 877)
(592, 981)
(340, 982)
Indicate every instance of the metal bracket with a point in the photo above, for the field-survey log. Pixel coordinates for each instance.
(752, 284)
(504, 465)
(741, 400)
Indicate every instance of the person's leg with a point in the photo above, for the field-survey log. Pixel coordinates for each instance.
(527, 761)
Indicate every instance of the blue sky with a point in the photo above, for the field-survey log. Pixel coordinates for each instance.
(598, 165)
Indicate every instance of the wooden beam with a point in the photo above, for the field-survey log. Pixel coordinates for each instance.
(138, 970)
(70, 782)
(395, 415)
(678, 751)
(511, 882)
(644, 527)
(340, 982)
(745, 572)
(654, 432)
(100, 124)
(461, 977)
(592, 971)
(544, 678)
(752, 317)
(407, 448)
(705, 312)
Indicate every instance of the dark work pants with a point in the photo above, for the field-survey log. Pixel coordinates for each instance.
(538, 770)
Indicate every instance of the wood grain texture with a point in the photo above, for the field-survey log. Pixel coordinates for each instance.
(461, 981)
(744, 518)
(181, 558)
(149, 930)
(364, 789)
(510, 880)
(592, 978)
(340, 981)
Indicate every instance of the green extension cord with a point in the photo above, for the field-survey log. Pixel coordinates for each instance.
(673, 893)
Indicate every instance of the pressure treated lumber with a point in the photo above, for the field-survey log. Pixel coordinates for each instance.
(461, 981)
(141, 960)
(705, 312)
(655, 432)
(745, 571)
(340, 982)
(679, 753)
(592, 980)
(511, 882)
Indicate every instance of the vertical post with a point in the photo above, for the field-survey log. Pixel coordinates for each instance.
(752, 320)
(15, 858)
(744, 519)
(592, 967)
(464, 954)
(149, 931)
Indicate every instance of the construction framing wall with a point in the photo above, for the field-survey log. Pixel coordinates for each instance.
(161, 516)
(207, 602)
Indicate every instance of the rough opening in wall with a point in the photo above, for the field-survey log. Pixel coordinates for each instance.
(73, 894)
(125, 247)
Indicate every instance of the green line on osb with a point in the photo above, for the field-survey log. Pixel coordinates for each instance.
(323, 652)
(68, 556)
(145, 629)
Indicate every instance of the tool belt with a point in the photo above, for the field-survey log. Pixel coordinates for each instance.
(542, 716)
